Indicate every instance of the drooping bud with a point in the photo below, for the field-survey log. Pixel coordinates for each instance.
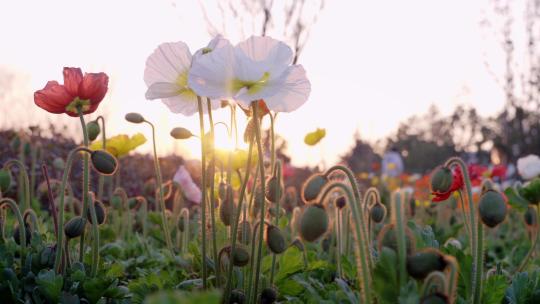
(422, 262)
(237, 297)
(387, 238)
(313, 222)
(274, 189)
(244, 232)
(226, 208)
(313, 186)
(5, 180)
(93, 130)
(46, 256)
(74, 227)
(134, 118)
(181, 133)
(275, 239)
(17, 234)
(268, 296)
(341, 201)
(241, 256)
(101, 213)
(441, 179)
(435, 298)
(104, 162)
(492, 208)
(530, 217)
(377, 212)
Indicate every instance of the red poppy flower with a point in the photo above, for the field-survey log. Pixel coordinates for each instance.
(457, 184)
(261, 107)
(499, 171)
(78, 91)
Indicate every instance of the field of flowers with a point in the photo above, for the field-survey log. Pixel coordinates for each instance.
(139, 229)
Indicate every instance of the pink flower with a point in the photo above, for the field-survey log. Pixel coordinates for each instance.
(190, 189)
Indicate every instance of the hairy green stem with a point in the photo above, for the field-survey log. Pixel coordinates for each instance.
(536, 236)
(25, 204)
(101, 182)
(22, 228)
(95, 236)
(86, 181)
(212, 196)
(277, 192)
(203, 189)
(401, 238)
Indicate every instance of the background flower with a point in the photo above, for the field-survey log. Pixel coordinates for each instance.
(313, 138)
(190, 189)
(529, 166)
(120, 145)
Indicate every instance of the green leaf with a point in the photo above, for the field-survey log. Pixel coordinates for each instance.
(290, 262)
(409, 294)
(515, 200)
(95, 288)
(172, 297)
(50, 284)
(290, 287)
(385, 277)
(494, 288)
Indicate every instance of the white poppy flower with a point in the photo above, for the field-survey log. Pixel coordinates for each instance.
(529, 166)
(258, 68)
(166, 76)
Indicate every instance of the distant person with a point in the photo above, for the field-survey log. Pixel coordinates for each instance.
(392, 163)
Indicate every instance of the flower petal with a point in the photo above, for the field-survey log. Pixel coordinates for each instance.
(159, 90)
(216, 43)
(53, 98)
(292, 94)
(93, 87)
(167, 63)
(258, 55)
(210, 74)
(72, 78)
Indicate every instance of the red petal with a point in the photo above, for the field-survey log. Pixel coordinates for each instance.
(72, 79)
(53, 98)
(93, 87)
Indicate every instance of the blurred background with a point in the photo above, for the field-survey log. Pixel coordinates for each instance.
(425, 79)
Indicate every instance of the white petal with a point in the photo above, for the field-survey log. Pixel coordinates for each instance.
(210, 74)
(167, 62)
(188, 106)
(216, 43)
(259, 55)
(293, 93)
(162, 90)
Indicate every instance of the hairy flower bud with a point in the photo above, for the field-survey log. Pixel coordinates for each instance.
(46, 256)
(441, 179)
(226, 208)
(530, 217)
(93, 130)
(341, 201)
(5, 180)
(387, 238)
(237, 297)
(244, 232)
(313, 222)
(101, 213)
(275, 239)
(313, 186)
(134, 118)
(377, 212)
(104, 162)
(268, 296)
(17, 234)
(421, 263)
(74, 227)
(181, 133)
(492, 208)
(274, 189)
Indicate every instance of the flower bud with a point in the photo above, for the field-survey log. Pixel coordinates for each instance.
(274, 189)
(116, 202)
(275, 239)
(237, 297)
(74, 227)
(181, 133)
(134, 118)
(441, 179)
(341, 201)
(313, 222)
(104, 162)
(530, 217)
(313, 186)
(421, 263)
(268, 296)
(5, 180)
(47, 256)
(387, 238)
(531, 191)
(244, 232)
(377, 212)
(226, 209)
(435, 298)
(101, 213)
(241, 256)
(93, 130)
(492, 208)
(17, 234)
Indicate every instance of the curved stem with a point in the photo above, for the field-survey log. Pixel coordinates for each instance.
(157, 168)
(22, 228)
(22, 168)
(212, 196)
(533, 243)
(338, 236)
(85, 187)
(203, 189)
(34, 223)
(52, 207)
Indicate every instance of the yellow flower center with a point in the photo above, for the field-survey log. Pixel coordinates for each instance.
(182, 81)
(253, 87)
(76, 104)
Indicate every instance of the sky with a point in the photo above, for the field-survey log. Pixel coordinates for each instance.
(372, 64)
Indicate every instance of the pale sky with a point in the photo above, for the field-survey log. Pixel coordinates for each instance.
(371, 64)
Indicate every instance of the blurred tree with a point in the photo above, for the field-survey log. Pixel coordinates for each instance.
(361, 157)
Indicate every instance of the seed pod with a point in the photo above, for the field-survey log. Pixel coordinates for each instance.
(341, 201)
(241, 256)
(5, 180)
(104, 162)
(93, 130)
(101, 213)
(237, 297)
(226, 209)
(17, 234)
(181, 133)
(290, 201)
(47, 256)
(134, 118)
(377, 212)
(313, 222)
(387, 238)
(268, 296)
(274, 189)
(312, 187)
(492, 208)
(435, 298)
(421, 263)
(275, 239)
(530, 217)
(244, 232)
(441, 179)
(74, 227)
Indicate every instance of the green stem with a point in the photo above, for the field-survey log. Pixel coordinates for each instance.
(203, 189)
(22, 168)
(338, 238)
(95, 236)
(101, 182)
(212, 196)
(536, 236)
(22, 228)
(33, 161)
(401, 238)
(85, 188)
(157, 168)
(277, 191)
(260, 155)
(479, 261)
